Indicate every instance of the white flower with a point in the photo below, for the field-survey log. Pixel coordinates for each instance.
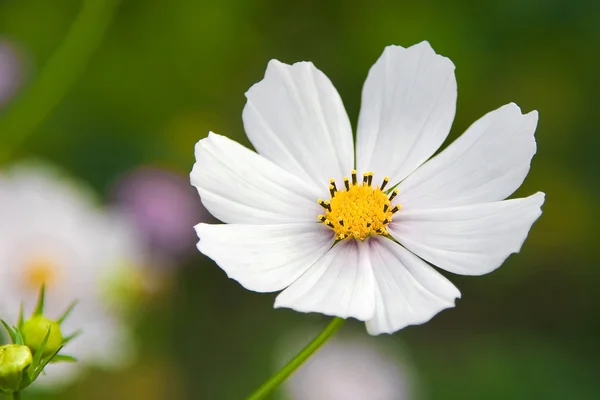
(52, 232)
(352, 369)
(447, 211)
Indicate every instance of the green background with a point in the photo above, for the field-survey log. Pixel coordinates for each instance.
(166, 72)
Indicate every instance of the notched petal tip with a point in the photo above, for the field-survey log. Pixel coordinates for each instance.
(538, 199)
(275, 67)
(424, 47)
(529, 120)
(199, 228)
(515, 107)
(202, 143)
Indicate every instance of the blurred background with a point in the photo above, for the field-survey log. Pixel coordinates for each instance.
(159, 75)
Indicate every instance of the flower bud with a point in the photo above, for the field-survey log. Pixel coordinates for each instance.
(34, 331)
(14, 360)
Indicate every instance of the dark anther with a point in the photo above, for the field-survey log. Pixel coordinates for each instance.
(354, 177)
(384, 183)
(394, 194)
(332, 183)
(325, 205)
(332, 191)
(385, 207)
(346, 183)
(370, 179)
(395, 209)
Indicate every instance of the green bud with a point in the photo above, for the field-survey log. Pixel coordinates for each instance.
(35, 329)
(14, 360)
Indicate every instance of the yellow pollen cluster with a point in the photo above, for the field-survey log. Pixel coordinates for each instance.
(360, 210)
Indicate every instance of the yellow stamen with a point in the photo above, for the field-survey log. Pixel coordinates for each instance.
(361, 210)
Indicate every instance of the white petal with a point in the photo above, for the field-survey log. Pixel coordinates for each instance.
(408, 104)
(295, 118)
(265, 258)
(468, 240)
(340, 284)
(239, 186)
(408, 290)
(487, 163)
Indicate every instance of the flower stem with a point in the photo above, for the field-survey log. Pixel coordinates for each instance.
(16, 395)
(298, 360)
(38, 100)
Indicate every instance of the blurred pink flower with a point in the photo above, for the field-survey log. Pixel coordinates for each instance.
(163, 205)
(10, 71)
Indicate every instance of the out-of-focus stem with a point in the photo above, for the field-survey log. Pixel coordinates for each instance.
(38, 100)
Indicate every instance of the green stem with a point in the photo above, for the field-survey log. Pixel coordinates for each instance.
(30, 109)
(298, 360)
(16, 395)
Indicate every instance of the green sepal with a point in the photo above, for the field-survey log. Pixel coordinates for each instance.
(21, 319)
(11, 333)
(39, 308)
(72, 336)
(67, 312)
(14, 333)
(63, 357)
(36, 370)
(37, 357)
(18, 336)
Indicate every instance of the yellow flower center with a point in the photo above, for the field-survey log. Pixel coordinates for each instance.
(360, 210)
(40, 271)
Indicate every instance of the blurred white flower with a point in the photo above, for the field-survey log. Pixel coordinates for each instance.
(384, 217)
(53, 232)
(162, 204)
(349, 368)
(11, 71)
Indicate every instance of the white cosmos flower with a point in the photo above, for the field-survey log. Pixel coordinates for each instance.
(52, 232)
(448, 210)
